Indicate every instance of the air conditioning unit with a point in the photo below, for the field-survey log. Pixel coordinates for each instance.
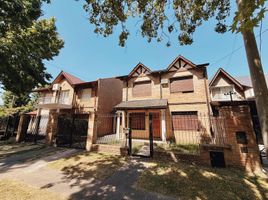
(164, 81)
(56, 87)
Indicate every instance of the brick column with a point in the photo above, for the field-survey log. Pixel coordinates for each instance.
(92, 131)
(240, 135)
(52, 127)
(22, 128)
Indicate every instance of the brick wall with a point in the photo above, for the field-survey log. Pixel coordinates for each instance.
(241, 154)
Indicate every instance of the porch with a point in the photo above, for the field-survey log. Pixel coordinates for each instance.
(140, 116)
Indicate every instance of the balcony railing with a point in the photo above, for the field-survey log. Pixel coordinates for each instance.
(45, 100)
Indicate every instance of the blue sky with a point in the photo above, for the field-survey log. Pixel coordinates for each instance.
(90, 56)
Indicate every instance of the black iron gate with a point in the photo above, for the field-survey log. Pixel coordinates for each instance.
(8, 126)
(140, 140)
(72, 131)
(37, 127)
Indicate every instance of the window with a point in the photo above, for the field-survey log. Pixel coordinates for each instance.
(85, 94)
(185, 121)
(219, 93)
(182, 84)
(141, 89)
(137, 121)
(241, 137)
(63, 97)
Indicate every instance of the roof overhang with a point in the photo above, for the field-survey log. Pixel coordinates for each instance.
(54, 106)
(143, 104)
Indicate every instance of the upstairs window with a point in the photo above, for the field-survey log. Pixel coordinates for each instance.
(85, 94)
(63, 97)
(142, 89)
(182, 84)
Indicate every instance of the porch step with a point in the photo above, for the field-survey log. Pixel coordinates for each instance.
(105, 148)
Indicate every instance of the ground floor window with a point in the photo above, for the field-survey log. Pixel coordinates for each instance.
(137, 121)
(185, 121)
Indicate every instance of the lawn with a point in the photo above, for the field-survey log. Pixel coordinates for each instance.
(179, 148)
(13, 190)
(186, 181)
(88, 165)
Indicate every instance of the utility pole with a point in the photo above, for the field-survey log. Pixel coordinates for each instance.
(256, 73)
(230, 93)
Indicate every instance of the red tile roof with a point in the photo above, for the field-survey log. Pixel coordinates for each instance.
(72, 79)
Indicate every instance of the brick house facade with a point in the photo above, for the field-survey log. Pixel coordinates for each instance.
(180, 90)
(70, 96)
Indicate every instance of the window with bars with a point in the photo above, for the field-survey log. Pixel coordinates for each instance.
(137, 121)
(185, 121)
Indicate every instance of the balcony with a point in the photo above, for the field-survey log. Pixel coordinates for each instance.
(50, 103)
(221, 93)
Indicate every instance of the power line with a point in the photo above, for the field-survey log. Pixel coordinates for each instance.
(74, 73)
(229, 54)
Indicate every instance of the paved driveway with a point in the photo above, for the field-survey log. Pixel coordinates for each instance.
(30, 168)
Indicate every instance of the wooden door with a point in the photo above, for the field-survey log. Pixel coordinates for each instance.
(156, 125)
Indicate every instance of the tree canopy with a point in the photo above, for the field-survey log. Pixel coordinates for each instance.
(25, 41)
(159, 18)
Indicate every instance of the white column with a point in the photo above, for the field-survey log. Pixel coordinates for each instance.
(118, 125)
(163, 125)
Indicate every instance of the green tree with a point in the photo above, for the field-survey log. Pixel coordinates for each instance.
(25, 41)
(159, 17)
(11, 100)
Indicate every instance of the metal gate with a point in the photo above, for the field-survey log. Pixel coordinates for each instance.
(140, 136)
(8, 126)
(72, 132)
(37, 127)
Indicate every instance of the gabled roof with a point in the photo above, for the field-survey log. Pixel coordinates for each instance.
(73, 80)
(228, 76)
(179, 59)
(246, 80)
(139, 69)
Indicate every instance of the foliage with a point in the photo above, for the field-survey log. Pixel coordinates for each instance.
(17, 110)
(162, 17)
(25, 41)
(13, 100)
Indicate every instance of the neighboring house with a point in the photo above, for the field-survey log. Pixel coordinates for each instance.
(69, 96)
(174, 98)
(228, 90)
(223, 87)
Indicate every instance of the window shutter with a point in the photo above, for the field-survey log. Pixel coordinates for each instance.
(185, 121)
(182, 84)
(141, 89)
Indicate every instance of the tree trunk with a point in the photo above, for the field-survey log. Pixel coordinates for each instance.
(258, 82)
(257, 77)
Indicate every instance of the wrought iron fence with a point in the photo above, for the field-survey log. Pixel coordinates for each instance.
(8, 126)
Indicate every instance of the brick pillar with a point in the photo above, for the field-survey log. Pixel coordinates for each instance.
(240, 135)
(52, 127)
(92, 131)
(22, 127)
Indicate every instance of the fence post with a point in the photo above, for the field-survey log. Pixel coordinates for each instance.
(36, 130)
(151, 135)
(72, 130)
(22, 128)
(129, 137)
(8, 121)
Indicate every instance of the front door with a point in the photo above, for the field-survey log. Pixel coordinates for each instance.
(156, 125)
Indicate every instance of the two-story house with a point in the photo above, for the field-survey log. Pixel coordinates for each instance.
(69, 96)
(174, 98)
(228, 90)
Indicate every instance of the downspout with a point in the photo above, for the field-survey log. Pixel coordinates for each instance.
(160, 78)
(127, 91)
